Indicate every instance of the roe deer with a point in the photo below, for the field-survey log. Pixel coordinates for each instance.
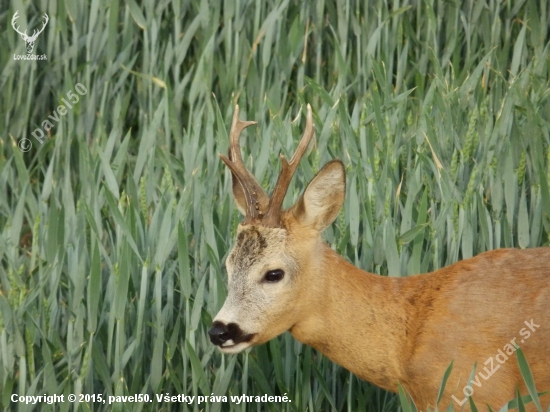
(386, 330)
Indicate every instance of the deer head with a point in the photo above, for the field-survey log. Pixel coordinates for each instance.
(29, 40)
(273, 265)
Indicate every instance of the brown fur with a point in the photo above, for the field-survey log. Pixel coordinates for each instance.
(408, 330)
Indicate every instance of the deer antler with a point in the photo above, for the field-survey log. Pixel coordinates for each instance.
(273, 215)
(259, 208)
(255, 197)
(37, 32)
(24, 34)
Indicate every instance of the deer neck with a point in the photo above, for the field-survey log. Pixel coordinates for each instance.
(358, 320)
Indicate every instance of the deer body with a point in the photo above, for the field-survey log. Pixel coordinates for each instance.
(282, 276)
(408, 330)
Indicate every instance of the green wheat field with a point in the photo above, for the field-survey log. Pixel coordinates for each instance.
(117, 216)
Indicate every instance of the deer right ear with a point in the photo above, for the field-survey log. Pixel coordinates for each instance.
(323, 197)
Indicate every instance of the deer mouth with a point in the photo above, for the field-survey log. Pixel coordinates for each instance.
(229, 337)
(237, 345)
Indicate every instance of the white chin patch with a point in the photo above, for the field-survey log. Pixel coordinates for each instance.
(229, 347)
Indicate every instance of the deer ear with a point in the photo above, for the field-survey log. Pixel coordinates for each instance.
(323, 197)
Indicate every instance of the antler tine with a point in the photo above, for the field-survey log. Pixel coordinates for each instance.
(273, 214)
(255, 197)
(237, 126)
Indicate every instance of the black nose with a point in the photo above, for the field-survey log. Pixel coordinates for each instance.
(219, 333)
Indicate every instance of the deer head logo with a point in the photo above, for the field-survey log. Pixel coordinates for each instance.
(29, 40)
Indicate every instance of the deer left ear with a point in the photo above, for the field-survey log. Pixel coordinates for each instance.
(323, 197)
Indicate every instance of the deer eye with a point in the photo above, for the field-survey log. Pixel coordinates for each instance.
(274, 275)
